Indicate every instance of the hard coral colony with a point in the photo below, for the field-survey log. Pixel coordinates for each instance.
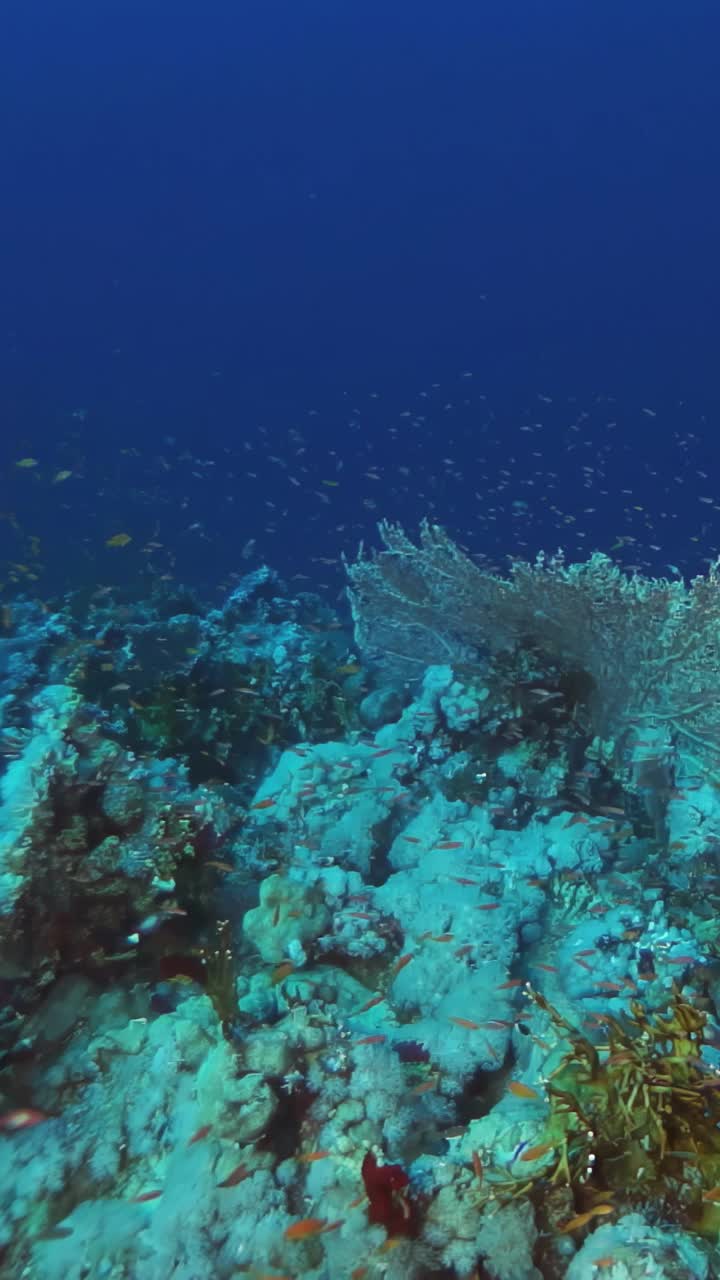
(398, 964)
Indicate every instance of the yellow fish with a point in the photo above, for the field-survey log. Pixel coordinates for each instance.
(582, 1219)
(118, 540)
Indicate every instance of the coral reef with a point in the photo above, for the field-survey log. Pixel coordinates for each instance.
(317, 966)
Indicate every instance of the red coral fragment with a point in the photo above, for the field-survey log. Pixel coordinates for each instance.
(389, 1205)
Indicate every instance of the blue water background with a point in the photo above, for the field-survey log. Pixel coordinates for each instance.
(233, 231)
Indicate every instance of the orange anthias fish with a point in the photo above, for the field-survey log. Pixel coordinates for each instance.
(401, 963)
(281, 972)
(305, 1229)
(536, 1153)
(239, 1174)
(581, 1219)
(371, 1004)
(520, 1090)
(21, 1118)
(199, 1134)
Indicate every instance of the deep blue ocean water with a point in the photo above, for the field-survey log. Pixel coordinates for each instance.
(245, 230)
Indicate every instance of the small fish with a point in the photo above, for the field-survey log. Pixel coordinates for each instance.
(583, 963)
(371, 1003)
(26, 463)
(613, 987)
(60, 476)
(21, 1118)
(281, 972)
(386, 751)
(712, 1196)
(587, 951)
(465, 1022)
(520, 1090)
(146, 1195)
(219, 866)
(548, 968)
(536, 1153)
(449, 844)
(199, 1134)
(306, 1228)
(311, 1156)
(488, 906)
(401, 963)
(582, 1219)
(378, 1039)
(118, 540)
(411, 839)
(442, 937)
(464, 880)
(510, 984)
(425, 1087)
(264, 804)
(477, 1165)
(237, 1175)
